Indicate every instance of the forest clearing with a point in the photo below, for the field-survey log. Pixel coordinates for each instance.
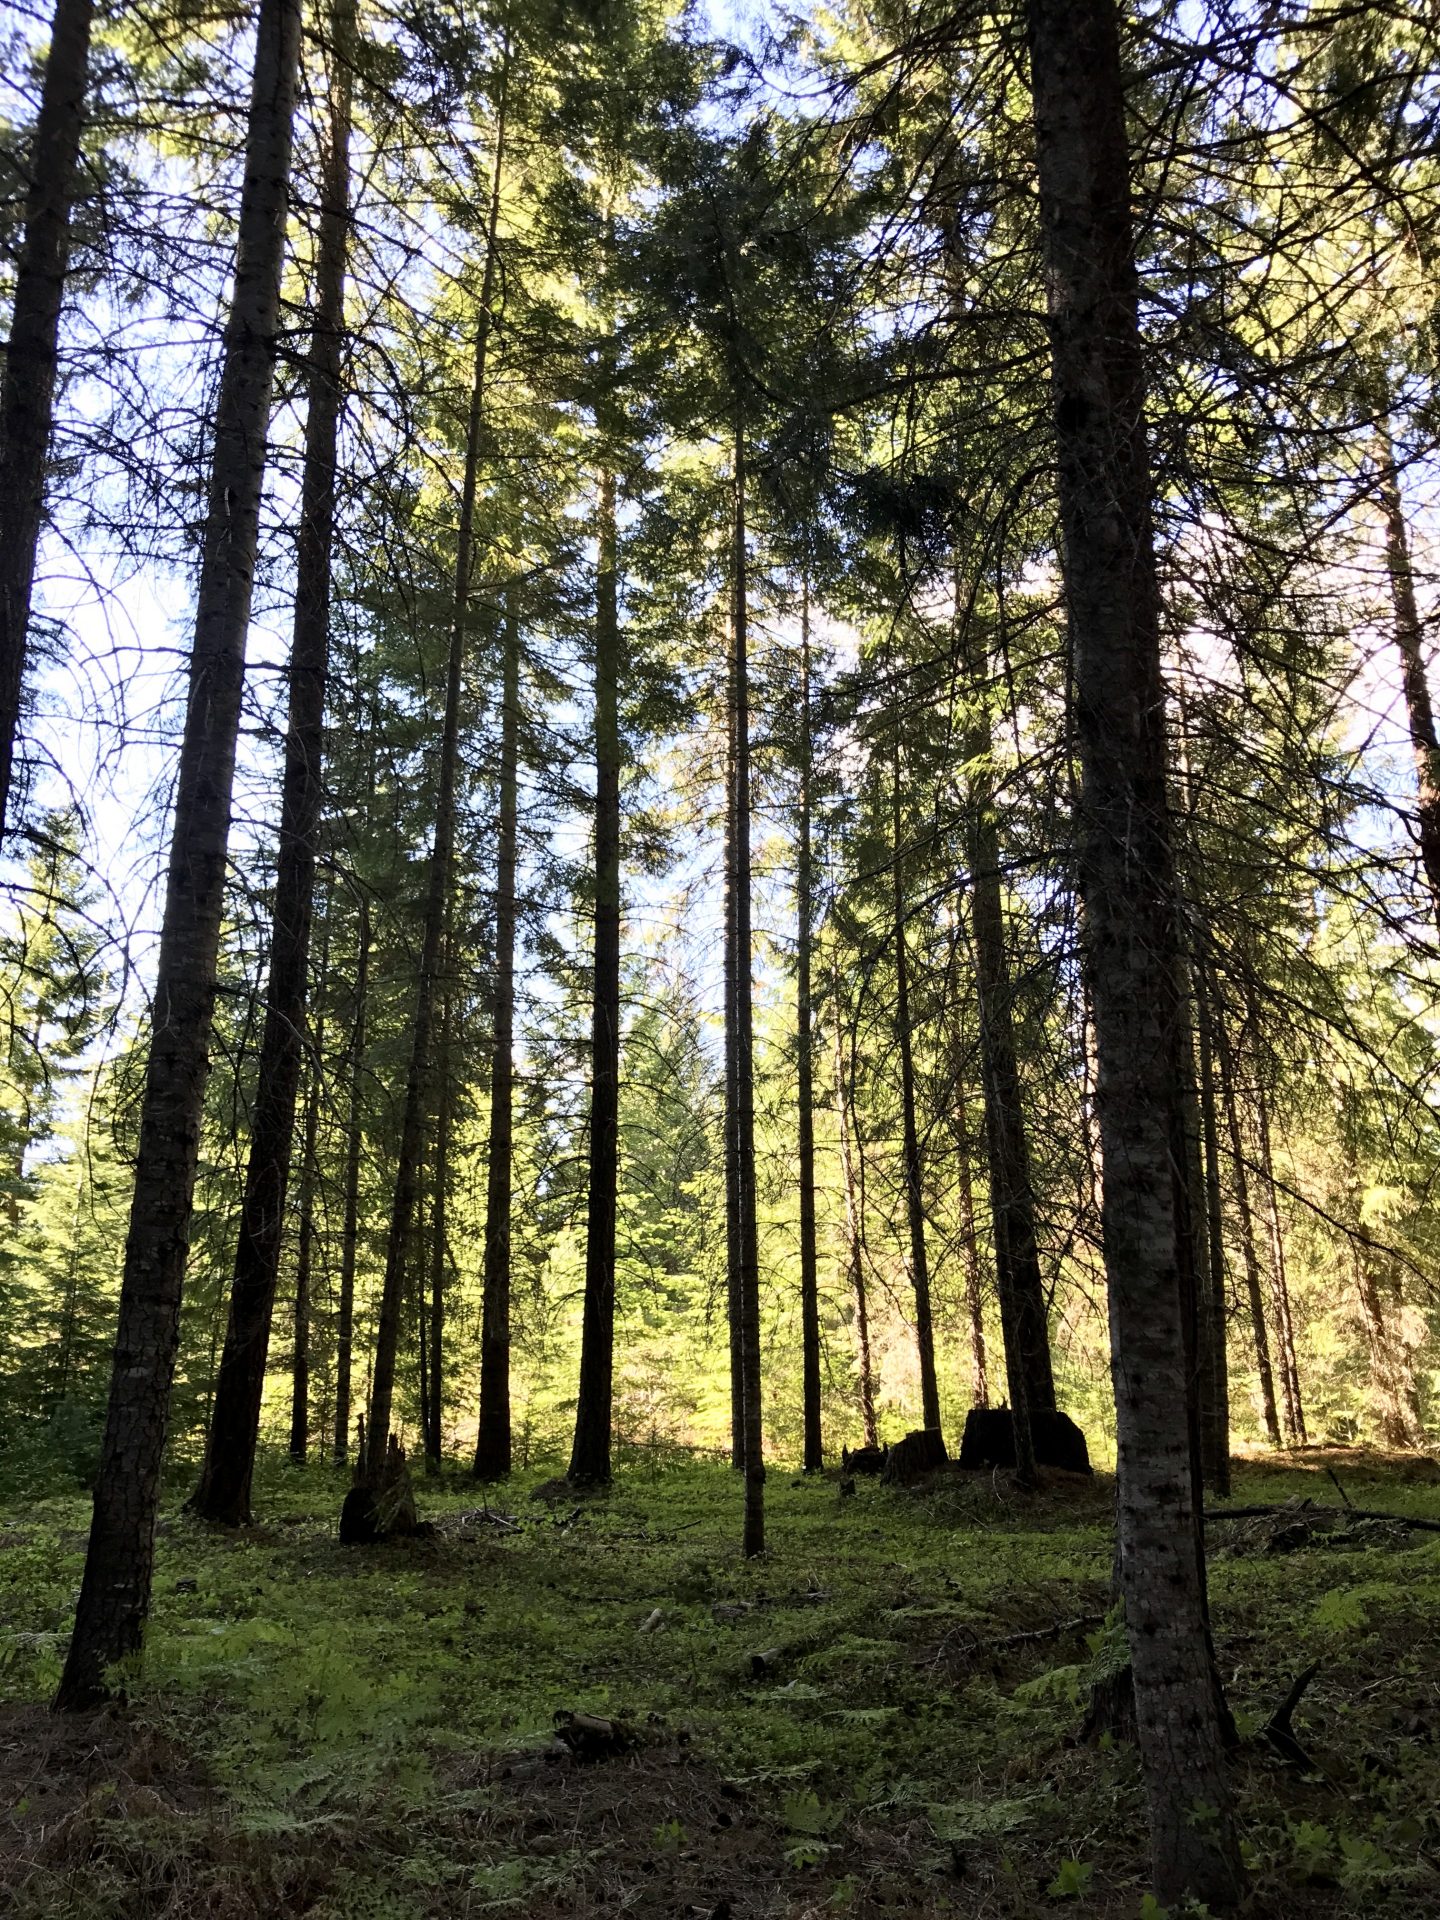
(719, 957)
(337, 1737)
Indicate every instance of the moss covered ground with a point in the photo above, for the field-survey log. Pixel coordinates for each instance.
(370, 1733)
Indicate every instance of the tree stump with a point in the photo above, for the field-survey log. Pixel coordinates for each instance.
(989, 1441)
(910, 1459)
(863, 1460)
(384, 1508)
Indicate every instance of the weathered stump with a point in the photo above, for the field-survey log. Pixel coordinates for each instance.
(376, 1510)
(989, 1440)
(910, 1459)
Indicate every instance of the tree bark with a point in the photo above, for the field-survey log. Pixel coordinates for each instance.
(590, 1454)
(740, 1083)
(1279, 1281)
(223, 1493)
(1023, 1322)
(814, 1446)
(913, 1167)
(418, 1090)
(1128, 888)
(1409, 644)
(439, 1223)
(304, 1261)
(493, 1445)
(974, 1290)
(27, 395)
(1254, 1296)
(854, 1251)
(115, 1591)
(350, 1223)
(1215, 1378)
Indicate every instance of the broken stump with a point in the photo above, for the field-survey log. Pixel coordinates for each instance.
(910, 1459)
(989, 1440)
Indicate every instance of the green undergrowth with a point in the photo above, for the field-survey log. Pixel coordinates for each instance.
(370, 1732)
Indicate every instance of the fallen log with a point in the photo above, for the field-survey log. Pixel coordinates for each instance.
(1308, 1510)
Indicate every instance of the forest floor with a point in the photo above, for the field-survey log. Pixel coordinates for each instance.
(368, 1733)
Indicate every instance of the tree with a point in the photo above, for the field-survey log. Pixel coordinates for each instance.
(1127, 884)
(27, 393)
(115, 1590)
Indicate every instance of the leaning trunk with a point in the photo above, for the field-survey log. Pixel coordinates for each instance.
(1410, 645)
(115, 1591)
(492, 1447)
(590, 1455)
(27, 397)
(223, 1494)
(1127, 883)
(350, 1222)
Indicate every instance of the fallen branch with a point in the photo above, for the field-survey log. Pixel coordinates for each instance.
(1279, 1731)
(1308, 1510)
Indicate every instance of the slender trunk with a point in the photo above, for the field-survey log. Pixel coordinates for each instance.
(1391, 1377)
(27, 395)
(415, 1117)
(223, 1493)
(732, 1072)
(974, 1288)
(1023, 1322)
(910, 1140)
(350, 1224)
(304, 1260)
(1192, 1242)
(115, 1591)
(1127, 883)
(439, 1231)
(1253, 1293)
(1215, 1382)
(1279, 1282)
(854, 1252)
(492, 1447)
(590, 1455)
(805, 1073)
(1409, 644)
(740, 1087)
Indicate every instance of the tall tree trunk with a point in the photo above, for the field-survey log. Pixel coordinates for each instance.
(974, 1289)
(1192, 1247)
(415, 1118)
(1254, 1296)
(1127, 882)
(740, 1083)
(1279, 1280)
(115, 1591)
(1391, 1377)
(350, 1221)
(590, 1455)
(805, 1071)
(492, 1447)
(1409, 644)
(910, 1140)
(223, 1493)
(732, 1074)
(27, 395)
(854, 1251)
(304, 1260)
(1028, 1371)
(439, 1226)
(1215, 1381)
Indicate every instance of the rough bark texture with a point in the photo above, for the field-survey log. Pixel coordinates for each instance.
(27, 396)
(1128, 889)
(439, 1247)
(1409, 644)
(223, 1493)
(115, 1591)
(418, 1081)
(814, 1446)
(1028, 1370)
(493, 1441)
(1215, 1376)
(350, 1222)
(590, 1455)
(740, 1085)
(304, 1266)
